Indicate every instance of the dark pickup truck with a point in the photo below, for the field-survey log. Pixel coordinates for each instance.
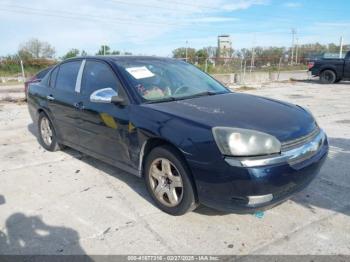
(331, 70)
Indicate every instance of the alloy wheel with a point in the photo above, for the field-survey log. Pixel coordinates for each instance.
(166, 182)
(46, 131)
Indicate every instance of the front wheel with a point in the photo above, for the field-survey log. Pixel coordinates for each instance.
(328, 77)
(168, 181)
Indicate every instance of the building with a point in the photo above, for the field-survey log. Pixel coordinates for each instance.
(224, 46)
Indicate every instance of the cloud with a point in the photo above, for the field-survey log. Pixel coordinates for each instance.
(293, 4)
(243, 4)
(213, 19)
(86, 24)
(333, 24)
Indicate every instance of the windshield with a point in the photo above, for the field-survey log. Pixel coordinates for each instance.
(162, 80)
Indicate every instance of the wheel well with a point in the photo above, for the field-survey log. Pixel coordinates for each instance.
(329, 69)
(152, 143)
(40, 110)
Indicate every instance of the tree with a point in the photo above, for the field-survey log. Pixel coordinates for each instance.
(37, 49)
(25, 56)
(202, 56)
(181, 53)
(83, 53)
(71, 53)
(104, 50)
(211, 51)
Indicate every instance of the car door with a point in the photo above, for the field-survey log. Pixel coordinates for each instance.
(103, 127)
(62, 99)
(347, 66)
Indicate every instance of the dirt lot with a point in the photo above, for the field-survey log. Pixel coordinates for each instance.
(67, 203)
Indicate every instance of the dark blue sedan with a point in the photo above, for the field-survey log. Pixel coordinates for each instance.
(190, 138)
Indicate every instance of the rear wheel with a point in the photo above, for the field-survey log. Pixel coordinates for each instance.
(47, 136)
(328, 77)
(168, 181)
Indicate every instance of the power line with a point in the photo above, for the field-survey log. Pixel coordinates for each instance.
(73, 15)
(93, 18)
(65, 13)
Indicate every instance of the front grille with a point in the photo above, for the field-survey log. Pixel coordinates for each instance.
(300, 141)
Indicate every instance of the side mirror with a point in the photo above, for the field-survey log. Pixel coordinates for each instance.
(106, 95)
(117, 100)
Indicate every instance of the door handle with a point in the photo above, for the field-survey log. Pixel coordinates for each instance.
(79, 105)
(50, 98)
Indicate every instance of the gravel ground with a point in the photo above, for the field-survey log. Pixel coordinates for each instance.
(68, 203)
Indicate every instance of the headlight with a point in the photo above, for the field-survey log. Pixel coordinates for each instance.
(245, 142)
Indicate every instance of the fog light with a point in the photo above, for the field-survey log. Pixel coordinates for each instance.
(256, 200)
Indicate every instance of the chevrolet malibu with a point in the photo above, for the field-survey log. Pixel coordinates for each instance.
(190, 138)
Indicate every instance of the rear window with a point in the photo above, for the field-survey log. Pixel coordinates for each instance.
(53, 77)
(43, 73)
(67, 76)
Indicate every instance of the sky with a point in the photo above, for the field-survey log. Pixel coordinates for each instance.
(156, 27)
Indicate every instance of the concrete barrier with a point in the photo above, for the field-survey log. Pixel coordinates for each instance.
(287, 75)
(11, 79)
(260, 77)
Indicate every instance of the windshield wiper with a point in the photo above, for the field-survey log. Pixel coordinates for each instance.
(206, 93)
(171, 98)
(167, 99)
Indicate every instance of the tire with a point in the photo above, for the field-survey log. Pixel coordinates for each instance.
(176, 195)
(47, 140)
(328, 77)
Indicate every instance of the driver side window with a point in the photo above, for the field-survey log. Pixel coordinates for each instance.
(98, 75)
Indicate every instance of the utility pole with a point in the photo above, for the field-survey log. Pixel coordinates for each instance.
(252, 62)
(104, 50)
(186, 50)
(23, 75)
(293, 40)
(279, 69)
(341, 47)
(296, 51)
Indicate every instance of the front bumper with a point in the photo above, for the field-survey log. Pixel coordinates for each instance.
(249, 184)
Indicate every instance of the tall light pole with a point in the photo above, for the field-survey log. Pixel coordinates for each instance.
(293, 40)
(23, 75)
(252, 62)
(296, 51)
(341, 47)
(22, 68)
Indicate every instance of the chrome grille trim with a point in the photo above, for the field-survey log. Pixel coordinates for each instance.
(300, 141)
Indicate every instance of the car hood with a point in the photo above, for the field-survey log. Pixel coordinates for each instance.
(283, 120)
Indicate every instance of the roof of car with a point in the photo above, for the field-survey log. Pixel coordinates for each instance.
(116, 58)
(123, 57)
